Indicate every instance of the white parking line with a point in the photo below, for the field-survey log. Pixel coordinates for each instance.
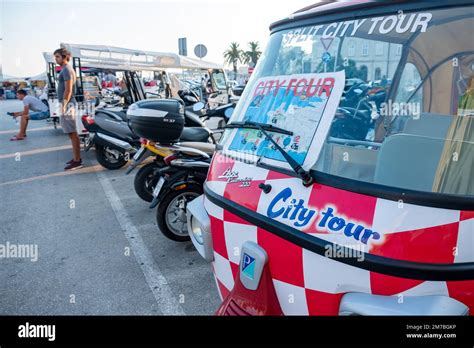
(84, 170)
(11, 131)
(167, 301)
(36, 151)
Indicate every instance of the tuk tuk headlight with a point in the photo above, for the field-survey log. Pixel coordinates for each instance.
(199, 228)
(196, 230)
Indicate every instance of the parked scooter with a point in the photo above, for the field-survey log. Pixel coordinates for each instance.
(114, 141)
(178, 183)
(355, 117)
(188, 96)
(147, 177)
(181, 179)
(112, 138)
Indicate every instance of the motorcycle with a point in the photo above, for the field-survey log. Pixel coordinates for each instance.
(356, 115)
(179, 182)
(112, 138)
(147, 177)
(188, 96)
(114, 141)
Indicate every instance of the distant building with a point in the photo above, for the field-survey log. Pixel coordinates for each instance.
(377, 58)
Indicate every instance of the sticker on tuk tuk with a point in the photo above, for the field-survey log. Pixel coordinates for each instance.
(395, 23)
(248, 266)
(304, 104)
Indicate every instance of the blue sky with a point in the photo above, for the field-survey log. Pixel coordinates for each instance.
(30, 27)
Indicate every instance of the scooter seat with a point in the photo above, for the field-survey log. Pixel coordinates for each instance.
(204, 147)
(192, 119)
(122, 115)
(114, 113)
(198, 134)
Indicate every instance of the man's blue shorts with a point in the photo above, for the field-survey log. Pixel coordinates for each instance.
(38, 115)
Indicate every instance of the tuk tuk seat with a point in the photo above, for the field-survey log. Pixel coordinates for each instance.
(429, 125)
(408, 161)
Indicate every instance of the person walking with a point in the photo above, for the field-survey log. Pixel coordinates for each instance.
(167, 84)
(66, 95)
(204, 93)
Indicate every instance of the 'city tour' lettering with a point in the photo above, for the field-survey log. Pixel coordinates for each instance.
(284, 206)
(292, 211)
(303, 86)
(338, 224)
(399, 23)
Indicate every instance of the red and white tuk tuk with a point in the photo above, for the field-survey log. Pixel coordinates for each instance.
(344, 184)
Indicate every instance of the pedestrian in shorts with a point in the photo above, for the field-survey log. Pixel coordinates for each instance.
(66, 96)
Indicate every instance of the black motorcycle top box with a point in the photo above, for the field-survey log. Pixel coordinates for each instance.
(160, 120)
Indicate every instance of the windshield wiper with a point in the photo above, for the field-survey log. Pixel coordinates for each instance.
(259, 126)
(263, 127)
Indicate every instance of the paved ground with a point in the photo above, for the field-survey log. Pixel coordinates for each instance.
(83, 223)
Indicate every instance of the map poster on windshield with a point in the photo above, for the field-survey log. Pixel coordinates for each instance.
(304, 104)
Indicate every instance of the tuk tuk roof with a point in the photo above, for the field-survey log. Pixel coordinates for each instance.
(354, 9)
(322, 8)
(118, 58)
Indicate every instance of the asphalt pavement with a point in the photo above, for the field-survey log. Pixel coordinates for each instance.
(99, 250)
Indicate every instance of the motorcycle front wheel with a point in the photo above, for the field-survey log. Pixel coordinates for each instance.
(171, 212)
(145, 181)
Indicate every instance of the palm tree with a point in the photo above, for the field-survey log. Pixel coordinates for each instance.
(253, 54)
(233, 55)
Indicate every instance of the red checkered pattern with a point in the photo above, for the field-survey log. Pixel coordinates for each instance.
(307, 283)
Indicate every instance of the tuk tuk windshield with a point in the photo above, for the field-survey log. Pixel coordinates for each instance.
(405, 116)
